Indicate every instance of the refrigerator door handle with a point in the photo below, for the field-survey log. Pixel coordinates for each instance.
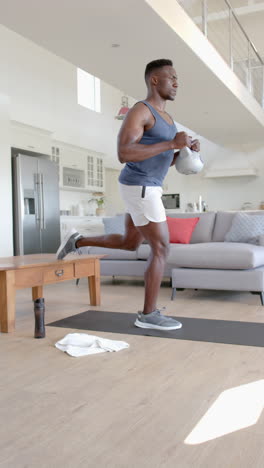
(19, 207)
(42, 215)
(37, 199)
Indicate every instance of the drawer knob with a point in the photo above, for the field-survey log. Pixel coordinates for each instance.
(59, 272)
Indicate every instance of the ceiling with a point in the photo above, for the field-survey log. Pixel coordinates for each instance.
(83, 33)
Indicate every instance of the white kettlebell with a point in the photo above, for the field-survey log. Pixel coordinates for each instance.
(188, 161)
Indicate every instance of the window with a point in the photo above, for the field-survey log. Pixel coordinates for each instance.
(89, 90)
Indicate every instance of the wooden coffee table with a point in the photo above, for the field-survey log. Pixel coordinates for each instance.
(37, 270)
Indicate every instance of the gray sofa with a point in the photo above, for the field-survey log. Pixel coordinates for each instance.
(208, 262)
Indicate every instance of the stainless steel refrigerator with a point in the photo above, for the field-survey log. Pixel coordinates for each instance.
(35, 205)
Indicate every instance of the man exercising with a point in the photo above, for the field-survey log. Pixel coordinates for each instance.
(147, 142)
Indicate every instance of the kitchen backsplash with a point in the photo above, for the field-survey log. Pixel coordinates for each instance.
(76, 203)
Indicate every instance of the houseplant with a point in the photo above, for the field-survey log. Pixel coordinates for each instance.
(100, 211)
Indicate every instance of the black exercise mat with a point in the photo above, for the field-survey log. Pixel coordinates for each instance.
(193, 329)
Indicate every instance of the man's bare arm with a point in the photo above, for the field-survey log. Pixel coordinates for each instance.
(131, 132)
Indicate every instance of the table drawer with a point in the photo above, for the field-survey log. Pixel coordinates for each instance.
(55, 274)
(84, 269)
(28, 277)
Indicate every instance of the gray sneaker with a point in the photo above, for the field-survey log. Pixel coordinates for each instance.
(156, 321)
(68, 245)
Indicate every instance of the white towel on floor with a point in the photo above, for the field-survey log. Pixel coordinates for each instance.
(82, 344)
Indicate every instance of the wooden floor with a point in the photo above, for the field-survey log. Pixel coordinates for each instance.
(129, 409)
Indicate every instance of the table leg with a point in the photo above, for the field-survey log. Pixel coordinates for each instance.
(37, 292)
(7, 301)
(94, 284)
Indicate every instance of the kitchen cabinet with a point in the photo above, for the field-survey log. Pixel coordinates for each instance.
(80, 169)
(30, 138)
(230, 172)
(95, 173)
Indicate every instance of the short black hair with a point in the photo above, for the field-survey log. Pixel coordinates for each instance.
(155, 64)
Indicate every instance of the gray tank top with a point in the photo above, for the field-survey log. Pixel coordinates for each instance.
(153, 170)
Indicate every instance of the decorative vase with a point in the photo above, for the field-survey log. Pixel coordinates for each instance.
(100, 211)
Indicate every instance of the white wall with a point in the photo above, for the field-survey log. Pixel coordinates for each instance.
(43, 93)
(39, 90)
(227, 193)
(253, 25)
(114, 203)
(6, 234)
(219, 194)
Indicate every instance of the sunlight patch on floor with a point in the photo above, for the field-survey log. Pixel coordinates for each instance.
(234, 409)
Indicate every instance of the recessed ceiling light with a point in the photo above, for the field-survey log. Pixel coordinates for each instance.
(115, 45)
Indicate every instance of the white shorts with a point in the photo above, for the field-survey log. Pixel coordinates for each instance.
(143, 207)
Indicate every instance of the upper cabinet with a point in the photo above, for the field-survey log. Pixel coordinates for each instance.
(231, 172)
(30, 138)
(95, 172)
(80, 168)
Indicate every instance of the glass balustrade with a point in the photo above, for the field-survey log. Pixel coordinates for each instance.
(218, 21)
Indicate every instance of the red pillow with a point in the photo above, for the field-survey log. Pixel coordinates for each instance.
(181, 229)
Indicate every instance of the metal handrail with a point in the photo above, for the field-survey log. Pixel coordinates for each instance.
(243, 31)
(252, 76)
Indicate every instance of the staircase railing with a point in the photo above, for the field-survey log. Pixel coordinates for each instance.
(220, 24)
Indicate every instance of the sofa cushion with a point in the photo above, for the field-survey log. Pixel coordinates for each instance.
(261, 240)
(143, 252)
(203, 229)
(232, 280)
(115, 224)
(116, 254)
(181, 229)
(224, 255)
(245, 228)
(233, 256)
(224, 220)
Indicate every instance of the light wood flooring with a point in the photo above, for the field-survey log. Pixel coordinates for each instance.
(134, 408)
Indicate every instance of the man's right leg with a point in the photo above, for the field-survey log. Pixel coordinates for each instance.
(129, 241)
(158, 238)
